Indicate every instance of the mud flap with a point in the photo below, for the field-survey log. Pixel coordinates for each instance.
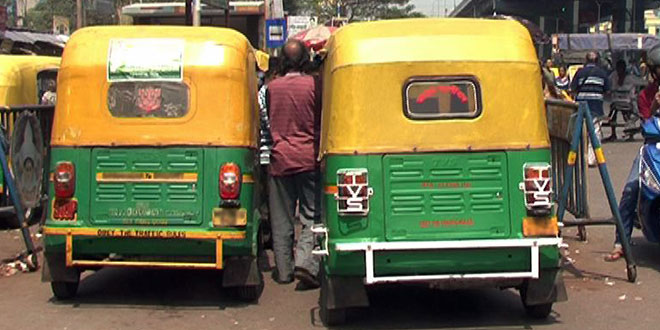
(55, 269)
(548, 288)
(343, 292)
(241, 271)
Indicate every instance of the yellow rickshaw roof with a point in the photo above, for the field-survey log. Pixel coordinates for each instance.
(216, 65)
(418, 40)
(369, 66)
(18, 77)
(88, 41)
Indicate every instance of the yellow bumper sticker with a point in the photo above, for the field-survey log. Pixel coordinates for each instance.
(146, 177)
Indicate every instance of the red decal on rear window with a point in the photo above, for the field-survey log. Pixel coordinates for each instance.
(149, 99)
(453, 90)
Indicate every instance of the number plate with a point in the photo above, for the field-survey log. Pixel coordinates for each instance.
(229, 217)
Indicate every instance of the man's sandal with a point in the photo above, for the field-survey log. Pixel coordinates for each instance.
(614, 256)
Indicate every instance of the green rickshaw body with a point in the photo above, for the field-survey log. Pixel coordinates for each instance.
(153, 161)
(436, 162)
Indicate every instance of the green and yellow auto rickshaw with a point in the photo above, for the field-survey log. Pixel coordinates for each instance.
(436, 159)
(153, 155)
(23, 82)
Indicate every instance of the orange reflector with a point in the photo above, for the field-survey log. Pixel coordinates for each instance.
(540, 227)
(331, 190)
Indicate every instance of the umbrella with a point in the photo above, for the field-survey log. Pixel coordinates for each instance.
(316, 37)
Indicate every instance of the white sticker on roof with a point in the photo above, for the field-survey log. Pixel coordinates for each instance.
(145, 59)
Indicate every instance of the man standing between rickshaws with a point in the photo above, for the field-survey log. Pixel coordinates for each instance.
(590, 85)
(294, 106)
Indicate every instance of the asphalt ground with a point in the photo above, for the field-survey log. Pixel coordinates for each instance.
(599, 295)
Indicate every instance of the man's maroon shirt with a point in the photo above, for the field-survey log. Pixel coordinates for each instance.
(294, 107)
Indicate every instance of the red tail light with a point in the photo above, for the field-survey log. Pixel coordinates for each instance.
(353, 192)
(65, 180)
(537, 187)
(230, 181)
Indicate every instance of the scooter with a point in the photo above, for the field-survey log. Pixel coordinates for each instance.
(649, 184)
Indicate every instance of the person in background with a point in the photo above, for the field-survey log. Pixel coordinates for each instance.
(649, 103)
(294, 110)
(563, 82)
(50, 95)
(548, 66)
(623, 90)
(590, 85)
(265, 145)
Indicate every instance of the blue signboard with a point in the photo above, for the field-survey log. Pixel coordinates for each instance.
(275, 32)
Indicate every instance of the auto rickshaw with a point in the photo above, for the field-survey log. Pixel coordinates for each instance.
(23, 81)
(153, 156)
(19, 84)
(436, 161)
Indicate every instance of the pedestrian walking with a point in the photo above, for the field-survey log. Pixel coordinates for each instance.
(294, 106)
(589, 85)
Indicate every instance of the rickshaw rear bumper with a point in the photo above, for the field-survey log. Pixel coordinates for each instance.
(59, 245)
(370, 248)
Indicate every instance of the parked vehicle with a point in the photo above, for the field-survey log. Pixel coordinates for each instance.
(435, 151)
(649, 172)
(23, 82)
(154, 156)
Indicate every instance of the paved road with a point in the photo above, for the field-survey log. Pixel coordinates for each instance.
(599, 296)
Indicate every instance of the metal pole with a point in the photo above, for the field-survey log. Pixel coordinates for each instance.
(189, 14)
(79, 14)
(227, 17)
(197, 12)
(14, 9)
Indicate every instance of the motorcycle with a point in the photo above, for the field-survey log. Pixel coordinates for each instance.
(649, 172)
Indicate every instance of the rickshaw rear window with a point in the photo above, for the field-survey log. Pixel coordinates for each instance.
(148, 99)
(437, 98)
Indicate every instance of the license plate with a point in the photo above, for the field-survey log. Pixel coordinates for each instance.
(229, 217)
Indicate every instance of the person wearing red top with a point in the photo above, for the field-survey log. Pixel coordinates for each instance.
(648, 100)
(294, 109)
(648, 103)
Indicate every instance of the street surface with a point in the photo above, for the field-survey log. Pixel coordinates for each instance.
(599, 295)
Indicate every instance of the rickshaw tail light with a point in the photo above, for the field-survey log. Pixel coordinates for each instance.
(65, 180)
(537, 189)
(353, 192)
(230, 181)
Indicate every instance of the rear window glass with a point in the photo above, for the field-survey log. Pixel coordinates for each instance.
(438, 98)
(148, 99)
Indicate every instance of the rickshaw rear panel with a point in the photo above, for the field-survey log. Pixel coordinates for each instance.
(436, 157)
(154, 161)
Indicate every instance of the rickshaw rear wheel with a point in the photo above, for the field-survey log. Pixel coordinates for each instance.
(331, 317)
(64, 290)
(249, 293)
(539, 311)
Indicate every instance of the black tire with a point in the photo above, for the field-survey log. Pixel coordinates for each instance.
(539, 311)
(632, 273)
(64, 290)
(329, 317)
(332, 317)
(249, 294)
